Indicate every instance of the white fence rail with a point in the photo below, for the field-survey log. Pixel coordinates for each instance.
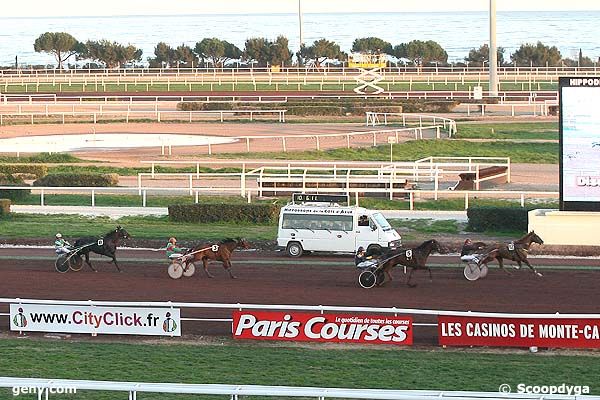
(158, 116)
(393, 193)
(294, 307)
(47, 386)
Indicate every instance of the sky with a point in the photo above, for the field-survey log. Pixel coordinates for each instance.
(56, 8)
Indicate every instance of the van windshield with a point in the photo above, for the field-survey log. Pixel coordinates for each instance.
(381, 221)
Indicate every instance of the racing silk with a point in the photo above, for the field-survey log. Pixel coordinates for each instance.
(60, 243)
(172, 249)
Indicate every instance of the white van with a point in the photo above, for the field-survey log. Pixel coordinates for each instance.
(333, 228)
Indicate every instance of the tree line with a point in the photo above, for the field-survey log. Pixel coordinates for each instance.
(262, 52)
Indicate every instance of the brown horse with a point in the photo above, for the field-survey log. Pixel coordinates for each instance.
(413, 258)
(218, 252)
(515, 251)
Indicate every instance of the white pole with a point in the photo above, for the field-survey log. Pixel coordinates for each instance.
(493, 63)
(300, 21)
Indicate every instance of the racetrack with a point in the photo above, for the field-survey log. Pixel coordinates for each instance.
(269, 278)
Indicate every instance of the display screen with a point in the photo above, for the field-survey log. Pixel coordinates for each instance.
(580, 144)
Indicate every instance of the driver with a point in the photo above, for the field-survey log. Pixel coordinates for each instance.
(172, 250)
(468, 250)
(61, 246)
(361, 259)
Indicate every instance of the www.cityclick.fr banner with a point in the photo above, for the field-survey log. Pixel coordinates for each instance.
(92, 319)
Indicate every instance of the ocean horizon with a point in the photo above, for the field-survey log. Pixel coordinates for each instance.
(456, 32)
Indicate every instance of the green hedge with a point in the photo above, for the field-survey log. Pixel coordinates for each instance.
(255, 213)
(332, 107)
(37, 170)
(13, 194)
(316, 110)
(483, 219)
(199, 106)
(78, 179)
(4, 206)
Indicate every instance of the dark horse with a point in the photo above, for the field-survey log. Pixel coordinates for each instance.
(106, 246)
(412, 258)
(515, 251)
(218, 252)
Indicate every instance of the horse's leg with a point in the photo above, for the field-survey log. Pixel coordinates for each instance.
(227, 266)
(114, 258)
(532, 268)
(430, 276)
(501, 264)
(411, 285)
(205, 265)
(87, 261)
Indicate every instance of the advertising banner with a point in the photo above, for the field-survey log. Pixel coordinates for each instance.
(342, 328)
(519, 332)
(92, 319)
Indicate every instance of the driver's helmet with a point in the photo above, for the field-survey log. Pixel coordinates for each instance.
(172, 240)
(58, 236)
(468, 241)
(360, 249)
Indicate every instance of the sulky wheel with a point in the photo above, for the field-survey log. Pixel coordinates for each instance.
(471, 271)
(483, 270)
(62, 263)
(189, 270)
(76, 262)
(175, 270)
(367, 279)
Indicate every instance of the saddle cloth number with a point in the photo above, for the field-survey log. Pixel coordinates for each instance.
(100, 242)
(408, 253)
(214, 247)
(511, 246)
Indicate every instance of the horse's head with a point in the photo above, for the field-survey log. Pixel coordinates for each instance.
(243, 243)
(535, 238)
(431, 245)
(122, 233)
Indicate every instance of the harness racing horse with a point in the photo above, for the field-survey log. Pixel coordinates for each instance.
(106, 246)
(218, 252)
(515, 251)
(413, 258)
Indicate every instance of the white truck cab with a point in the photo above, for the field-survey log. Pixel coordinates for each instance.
(326, 226)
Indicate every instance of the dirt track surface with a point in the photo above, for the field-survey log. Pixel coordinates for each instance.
(312, 280)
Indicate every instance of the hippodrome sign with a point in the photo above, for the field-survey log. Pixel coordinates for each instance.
(519, 332)
(579, 138)
(339, 328)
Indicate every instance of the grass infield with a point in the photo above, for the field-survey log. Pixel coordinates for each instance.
(224, 361)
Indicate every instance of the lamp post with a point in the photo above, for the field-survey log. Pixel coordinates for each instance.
(300, 22)
(493, 51)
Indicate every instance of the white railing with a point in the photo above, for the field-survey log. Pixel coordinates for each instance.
(377, 118)
(158, 116)
(431, 169)
(49, 386)
(275, 97)
(296, 307)
(393, 193)
(437, 70)
(283, 142)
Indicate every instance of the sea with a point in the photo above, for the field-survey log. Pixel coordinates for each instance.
(456, 32)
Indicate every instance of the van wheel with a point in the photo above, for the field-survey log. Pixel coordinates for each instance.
(294, 249)
(374, 249)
